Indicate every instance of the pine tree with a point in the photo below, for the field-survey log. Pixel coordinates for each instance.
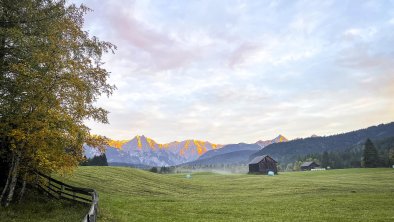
(104, 160)
(163, 169)
(391, 157)
(370, 156)
(325, 160)
(153, 170)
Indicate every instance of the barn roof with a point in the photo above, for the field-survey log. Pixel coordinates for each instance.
(257, 159)
(305, 164)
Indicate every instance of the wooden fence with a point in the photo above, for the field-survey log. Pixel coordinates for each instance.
(60, 190)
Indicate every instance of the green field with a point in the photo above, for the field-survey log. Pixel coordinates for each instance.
(337, 195)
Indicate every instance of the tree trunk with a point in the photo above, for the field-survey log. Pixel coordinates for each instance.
(22, 192)
(15, 171)
(8, 180)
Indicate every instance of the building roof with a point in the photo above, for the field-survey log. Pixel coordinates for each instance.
(306, 164)
(257, 159)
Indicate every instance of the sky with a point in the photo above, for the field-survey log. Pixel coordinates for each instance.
(241, 71)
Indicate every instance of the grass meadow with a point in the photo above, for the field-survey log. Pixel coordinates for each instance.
(128, 194)
(37, 207)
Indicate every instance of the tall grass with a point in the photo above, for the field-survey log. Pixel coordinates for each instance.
(39, 207)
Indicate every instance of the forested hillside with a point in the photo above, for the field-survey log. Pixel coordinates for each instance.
(289, 152)
(351, 157)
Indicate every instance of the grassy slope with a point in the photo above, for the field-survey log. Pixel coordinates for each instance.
(339, 195)
(35, 207)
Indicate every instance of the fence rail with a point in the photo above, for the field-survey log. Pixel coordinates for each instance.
(60, 190)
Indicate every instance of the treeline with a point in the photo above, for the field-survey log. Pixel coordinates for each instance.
(163, 169)
(96, 161)
(375, 153)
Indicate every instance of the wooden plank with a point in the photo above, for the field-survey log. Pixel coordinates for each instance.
(48, 192)
(53, 190)
(79, 191)
(74, 197)
(84, 201)
(56, 186)
(66, 185)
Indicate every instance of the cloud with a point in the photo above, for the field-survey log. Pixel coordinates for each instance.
(232, 71)
(157, 49)
(244, 52)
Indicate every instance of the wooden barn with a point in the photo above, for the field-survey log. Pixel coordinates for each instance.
(263, 164)
(309, 165)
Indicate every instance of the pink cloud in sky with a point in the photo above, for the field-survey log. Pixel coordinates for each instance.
(162, 52)
(242, 53)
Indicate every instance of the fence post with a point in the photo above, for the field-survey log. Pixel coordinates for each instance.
(95, 213)
(48, 185)
(61, 191)
(36, 181)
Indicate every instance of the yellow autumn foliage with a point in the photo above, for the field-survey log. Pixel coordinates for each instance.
(51, 77)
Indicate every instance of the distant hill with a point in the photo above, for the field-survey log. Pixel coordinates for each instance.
(230, 148)
(232, 158)
(289, 151)
(233, 153)
(242, 146)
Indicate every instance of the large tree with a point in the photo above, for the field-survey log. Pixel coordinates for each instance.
(51, 76)
(370, 155)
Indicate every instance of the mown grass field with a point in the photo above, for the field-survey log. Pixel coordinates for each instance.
(337, 195)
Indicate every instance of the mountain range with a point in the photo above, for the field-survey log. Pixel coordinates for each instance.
(144, 151)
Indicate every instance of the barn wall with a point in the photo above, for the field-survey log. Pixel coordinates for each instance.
(267, 165)
(253, 168)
